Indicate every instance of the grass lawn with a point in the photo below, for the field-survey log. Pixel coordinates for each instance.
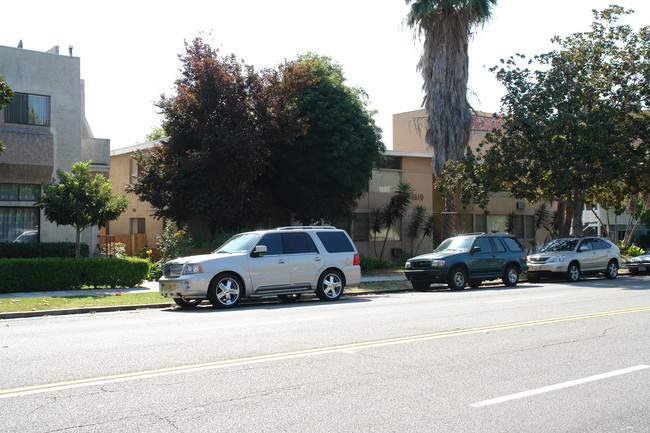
(10, 305)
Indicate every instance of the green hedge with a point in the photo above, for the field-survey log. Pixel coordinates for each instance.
(11, 250)
(35, 275)
(370, 263)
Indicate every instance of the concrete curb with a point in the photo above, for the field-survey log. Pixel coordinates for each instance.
(112, 309)
(83, 310)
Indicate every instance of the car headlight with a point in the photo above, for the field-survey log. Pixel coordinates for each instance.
(407, 265)
(192, 269)
(557, 259)
(438, 263)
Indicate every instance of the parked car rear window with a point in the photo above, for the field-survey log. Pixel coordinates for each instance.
(335, 242)
(512, 244)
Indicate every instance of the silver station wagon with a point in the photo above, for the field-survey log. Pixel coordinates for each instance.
(284, 262)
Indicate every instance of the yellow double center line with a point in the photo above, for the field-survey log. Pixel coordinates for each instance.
(59, 386)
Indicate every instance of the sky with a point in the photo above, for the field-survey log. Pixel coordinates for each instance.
(129, 49)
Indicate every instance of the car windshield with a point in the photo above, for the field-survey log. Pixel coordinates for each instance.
(237, 244)
(560, 245)
(459, 243)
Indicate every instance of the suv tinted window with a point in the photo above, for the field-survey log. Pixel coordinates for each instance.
(512, 244)
(484, 243)
(335, 242)
(298, 243)
(498, 246)
(273, 242)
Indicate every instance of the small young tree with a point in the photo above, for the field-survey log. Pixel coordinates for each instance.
(80, 199)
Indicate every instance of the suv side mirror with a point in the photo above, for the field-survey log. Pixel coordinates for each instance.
(476, 249)
(259, 250)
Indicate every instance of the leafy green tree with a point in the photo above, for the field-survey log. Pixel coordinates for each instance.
(576, 132)
(80, 199)
(156, 134)
(220, 125)
(319, 176)
(6, 96)
(447, 26)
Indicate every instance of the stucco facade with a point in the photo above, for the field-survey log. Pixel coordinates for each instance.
(138, 216)
(57, 136)
(410, 148)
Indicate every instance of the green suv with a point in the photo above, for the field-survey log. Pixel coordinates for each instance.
(469, 259)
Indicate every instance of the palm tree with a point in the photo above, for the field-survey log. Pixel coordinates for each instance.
(428, 228)
(394, 210)
(376, 224)
(418, 215)
(446, 26)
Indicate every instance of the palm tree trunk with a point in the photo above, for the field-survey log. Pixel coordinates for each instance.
(449, 223)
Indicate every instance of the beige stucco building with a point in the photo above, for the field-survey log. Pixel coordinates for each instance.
(138, 219)
(409, 161)
(43, 129)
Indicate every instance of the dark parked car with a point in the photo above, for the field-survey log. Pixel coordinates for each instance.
(469, 259)
(638, 264)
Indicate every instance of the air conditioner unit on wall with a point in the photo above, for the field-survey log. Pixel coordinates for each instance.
(521, 205)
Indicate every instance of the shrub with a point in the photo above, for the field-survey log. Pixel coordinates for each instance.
(20, 275)
(370, 263)
(10, 250)
(113, 249)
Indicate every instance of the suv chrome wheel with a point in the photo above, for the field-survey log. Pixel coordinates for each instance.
(330, 286)
(225, 291)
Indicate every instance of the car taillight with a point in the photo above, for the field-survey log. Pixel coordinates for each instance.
(357, 261)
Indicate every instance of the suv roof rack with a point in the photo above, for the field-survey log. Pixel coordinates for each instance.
(306, 227)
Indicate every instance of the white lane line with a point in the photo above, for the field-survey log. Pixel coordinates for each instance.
(520, 299)
(559, 386)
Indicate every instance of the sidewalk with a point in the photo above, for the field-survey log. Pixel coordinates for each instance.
(145, 287)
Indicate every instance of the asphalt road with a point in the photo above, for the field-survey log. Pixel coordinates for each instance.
(536, 358)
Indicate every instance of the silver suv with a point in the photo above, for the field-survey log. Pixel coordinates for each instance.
(284, 262)
(574, 257)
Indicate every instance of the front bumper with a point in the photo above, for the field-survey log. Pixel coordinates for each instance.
(637, 267)
(427, 275)
(546, 269)
(185, 286)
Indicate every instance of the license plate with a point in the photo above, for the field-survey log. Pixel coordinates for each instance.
(535, 267)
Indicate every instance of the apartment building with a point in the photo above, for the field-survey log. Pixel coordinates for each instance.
(43, 129)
